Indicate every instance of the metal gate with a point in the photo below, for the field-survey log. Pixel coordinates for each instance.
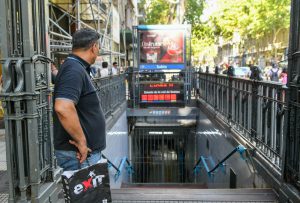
(26, 97)
(163, 154)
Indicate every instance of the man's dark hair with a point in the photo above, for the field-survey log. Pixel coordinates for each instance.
(84, 38)
(115, 63)
(217, 70)
(274, 65)
(255, 73)
(230, 71)
(104, 64)
(284, 70)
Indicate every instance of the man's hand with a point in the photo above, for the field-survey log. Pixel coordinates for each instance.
(69, 119)
(83, 150)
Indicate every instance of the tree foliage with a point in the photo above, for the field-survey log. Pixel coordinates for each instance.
(158, 11)
(202, 33)
(193, 11)
(252, 19)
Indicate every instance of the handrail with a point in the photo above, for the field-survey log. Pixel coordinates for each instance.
(119, 169)
(241, 149)
(110, 164)
(129, 168)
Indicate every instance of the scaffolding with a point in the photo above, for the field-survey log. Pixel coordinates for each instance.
(66, 16)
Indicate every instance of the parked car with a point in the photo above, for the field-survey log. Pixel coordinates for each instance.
(243, 72)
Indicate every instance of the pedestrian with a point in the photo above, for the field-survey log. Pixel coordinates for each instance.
(207, 69)
(122, 70)
(96, 67)
(255, 73)
(114, 68)
(216, 70)
(79, 123)
(54, 72)
(104, 70)
(283, 76)
(230, 71)
(273, 73)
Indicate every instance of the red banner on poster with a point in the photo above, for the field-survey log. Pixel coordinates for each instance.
(161, 46)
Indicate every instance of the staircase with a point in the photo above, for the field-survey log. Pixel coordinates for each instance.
(172, 195)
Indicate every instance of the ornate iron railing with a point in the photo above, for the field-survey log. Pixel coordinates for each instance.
(111, 91)
(255, 109)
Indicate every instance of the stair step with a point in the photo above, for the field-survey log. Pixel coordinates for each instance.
(195, 195)
(165, 185)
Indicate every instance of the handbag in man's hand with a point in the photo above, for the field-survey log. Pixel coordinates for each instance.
(90, 184)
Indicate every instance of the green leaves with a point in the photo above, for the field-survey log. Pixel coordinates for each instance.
(193, 11)
(158, 11)
(251, 19)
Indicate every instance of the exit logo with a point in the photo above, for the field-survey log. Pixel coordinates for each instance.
(92, 182)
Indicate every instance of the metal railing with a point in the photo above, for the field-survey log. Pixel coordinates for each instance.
(292, 162)
(209, 161)
(111, 91)
(255, 109)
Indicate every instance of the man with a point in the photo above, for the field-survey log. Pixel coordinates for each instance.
(79, 123)
(114, 69)
(273, 73)
(96, 67)
(255, 73)
(54, 72)
(230, 71)
(104, 70)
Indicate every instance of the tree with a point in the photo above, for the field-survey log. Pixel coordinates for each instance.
(193, 11)
(158, 11)
(251, 19)
(202, 33)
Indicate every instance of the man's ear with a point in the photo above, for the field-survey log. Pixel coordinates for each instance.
(94, 48)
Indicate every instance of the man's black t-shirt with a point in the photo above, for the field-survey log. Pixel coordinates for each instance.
(73, 83)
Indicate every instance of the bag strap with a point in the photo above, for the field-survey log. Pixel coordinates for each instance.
(75, 59)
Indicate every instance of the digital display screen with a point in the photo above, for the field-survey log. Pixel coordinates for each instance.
(159, 97)
(161, 93)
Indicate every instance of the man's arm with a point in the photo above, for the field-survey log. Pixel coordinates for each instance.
(68, 117)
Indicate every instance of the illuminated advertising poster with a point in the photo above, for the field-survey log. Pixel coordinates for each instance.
(161, 49)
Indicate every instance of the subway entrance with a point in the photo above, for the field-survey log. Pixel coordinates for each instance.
(163, 154)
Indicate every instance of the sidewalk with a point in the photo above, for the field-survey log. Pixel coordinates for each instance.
(3, 168)
(2, 151)
(2, 133)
